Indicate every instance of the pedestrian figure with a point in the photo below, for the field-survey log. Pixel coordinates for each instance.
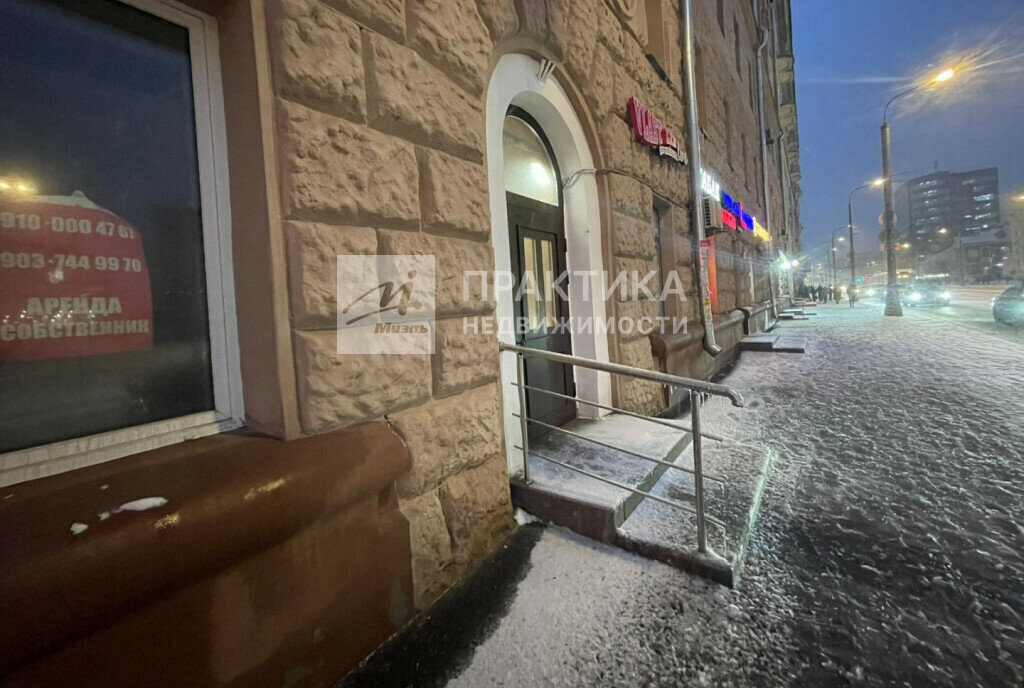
(851, 293)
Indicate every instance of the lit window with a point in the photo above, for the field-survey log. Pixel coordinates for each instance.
(114, 280)
(529, 171)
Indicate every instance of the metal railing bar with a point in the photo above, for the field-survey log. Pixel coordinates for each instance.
(614, 483)
(641, 373)
(659, 421)
(629, 452)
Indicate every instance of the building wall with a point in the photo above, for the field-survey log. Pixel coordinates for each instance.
(378, 126)
(358, 127)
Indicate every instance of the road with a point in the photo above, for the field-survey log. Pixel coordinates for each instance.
(888, 549)
(970, 308)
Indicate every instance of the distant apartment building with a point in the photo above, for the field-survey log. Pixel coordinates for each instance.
(932, 210)
(1014, 216)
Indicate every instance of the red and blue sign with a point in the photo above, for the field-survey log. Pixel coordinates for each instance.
(733, 214)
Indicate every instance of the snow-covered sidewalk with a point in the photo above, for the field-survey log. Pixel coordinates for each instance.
(889, 549)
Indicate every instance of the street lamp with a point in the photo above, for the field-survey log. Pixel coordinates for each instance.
(874, 183)
(892, 296)
(835, 277)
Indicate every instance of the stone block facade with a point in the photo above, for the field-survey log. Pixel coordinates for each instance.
(360, 127)
(378, 110)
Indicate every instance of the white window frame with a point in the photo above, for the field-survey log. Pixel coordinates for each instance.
(227, 414)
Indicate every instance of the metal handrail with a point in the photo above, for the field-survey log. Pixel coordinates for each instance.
(649, 419)
(622, 450)
(640, 373)
(696, 388)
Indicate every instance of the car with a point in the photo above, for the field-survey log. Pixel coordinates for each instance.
(1008, 307)
(926, 295)
(872, 291)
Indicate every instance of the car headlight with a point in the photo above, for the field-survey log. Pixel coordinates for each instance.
(946, 295)
(871, 292)
(915, 296)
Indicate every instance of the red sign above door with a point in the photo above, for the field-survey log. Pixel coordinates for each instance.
(649, 130)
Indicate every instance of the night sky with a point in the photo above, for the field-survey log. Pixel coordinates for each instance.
(851, 57)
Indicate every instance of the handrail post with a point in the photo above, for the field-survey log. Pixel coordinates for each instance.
(698, 472)
(521, 379)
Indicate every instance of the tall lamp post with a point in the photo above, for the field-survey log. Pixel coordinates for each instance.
(892, 296)
(849, 215)
(835, 257)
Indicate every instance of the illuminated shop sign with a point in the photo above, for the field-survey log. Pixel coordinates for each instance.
(709, 185)
(740, 216)
(733, 215)
(649, 130)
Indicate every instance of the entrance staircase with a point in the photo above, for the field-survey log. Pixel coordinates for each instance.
(662, 488)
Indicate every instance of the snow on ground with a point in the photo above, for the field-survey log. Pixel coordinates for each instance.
(888, 550)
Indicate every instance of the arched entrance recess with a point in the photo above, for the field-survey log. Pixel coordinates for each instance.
(515, 83)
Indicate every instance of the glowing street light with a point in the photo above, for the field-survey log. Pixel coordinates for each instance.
(892, 297)
(17, 186)
(876, 182)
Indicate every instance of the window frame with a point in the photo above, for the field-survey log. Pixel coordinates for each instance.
(225, 370)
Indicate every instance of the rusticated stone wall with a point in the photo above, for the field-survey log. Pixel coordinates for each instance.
(379, 125)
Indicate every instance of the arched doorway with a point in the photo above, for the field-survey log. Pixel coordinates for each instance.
(518, 81)
(537, 246)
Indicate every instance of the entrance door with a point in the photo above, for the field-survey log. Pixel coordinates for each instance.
(538, 248)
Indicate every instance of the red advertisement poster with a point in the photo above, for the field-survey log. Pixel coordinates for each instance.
(73, 280)
(709, 273)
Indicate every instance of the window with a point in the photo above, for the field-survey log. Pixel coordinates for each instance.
(658, 238)
(538, 281)
(529, 171)
(753, 86)
(699, 86)
(728, 134)
(657, 39)
(116, 301)
(746, 158)
(736, 44)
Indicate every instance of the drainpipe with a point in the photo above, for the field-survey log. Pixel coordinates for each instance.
(783, 177)
(696, 195)
(764, 164)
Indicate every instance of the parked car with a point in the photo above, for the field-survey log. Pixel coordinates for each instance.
(1008, 307)
(926, 295)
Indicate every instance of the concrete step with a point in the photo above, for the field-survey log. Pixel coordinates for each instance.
(582, 503)
(758, 342)
(773, 342)
(632, 522)
(791, 345)
(667, 534)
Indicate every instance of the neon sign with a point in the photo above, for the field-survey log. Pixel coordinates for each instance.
(734, 207)
(760, 232)
(649, 130)
(709, 185)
